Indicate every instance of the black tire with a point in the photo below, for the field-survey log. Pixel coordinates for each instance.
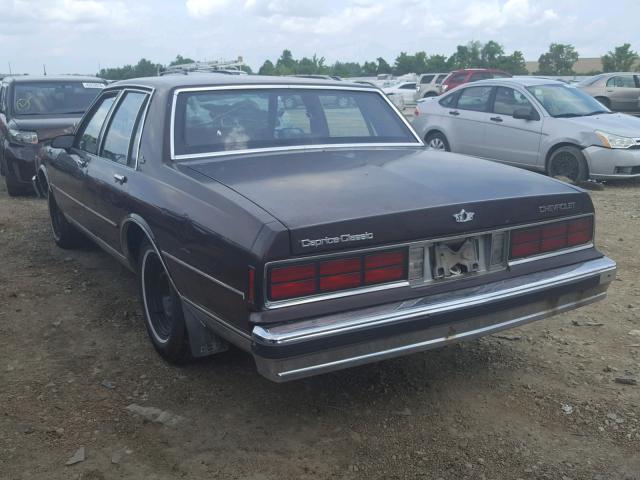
(430, 94)
(14, 187)
(162, 308)
(568, 162)
(64, 234)
(437, 141)
(604, 101)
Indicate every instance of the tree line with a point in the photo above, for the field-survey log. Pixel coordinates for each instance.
(558, 60)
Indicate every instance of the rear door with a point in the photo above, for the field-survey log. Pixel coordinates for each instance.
(68, 169)
(511, 140)
(109, 174)
(623, 92)
(469, 120)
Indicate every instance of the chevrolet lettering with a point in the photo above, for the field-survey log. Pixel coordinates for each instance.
(304, 221)
(558, 207)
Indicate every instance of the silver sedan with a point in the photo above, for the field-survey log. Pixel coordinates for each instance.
(537, 124)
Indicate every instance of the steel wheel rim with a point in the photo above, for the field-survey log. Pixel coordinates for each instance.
(436, 144)
(158, 297)
(566, 165)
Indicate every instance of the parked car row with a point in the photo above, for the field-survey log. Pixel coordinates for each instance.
(617, 91)
(535, 123)
(315, 234)
(33, 110)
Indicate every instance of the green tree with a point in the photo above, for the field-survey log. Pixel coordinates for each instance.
(180, 60)
(437, 64)
(346, 69)
(491, 53)
(267, 68)
(559, 60)
(286, 64)
(369, 68)
(144, 68)
(621, 59)
(514, 63)
(383, 66)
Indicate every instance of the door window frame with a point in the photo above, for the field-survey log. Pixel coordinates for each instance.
(489, 105)
(633, 77)
(138, 124)
(494, 94)
(88, 116)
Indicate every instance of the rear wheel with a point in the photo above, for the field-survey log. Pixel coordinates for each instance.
(437, 141)
(568, 162)
(162, 308)
(65, 235)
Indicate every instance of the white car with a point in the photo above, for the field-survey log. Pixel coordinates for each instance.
(401, 94)
(534, 123)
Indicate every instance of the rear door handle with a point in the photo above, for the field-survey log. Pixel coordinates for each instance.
(121, 179)
(454, 112)
(496, 119)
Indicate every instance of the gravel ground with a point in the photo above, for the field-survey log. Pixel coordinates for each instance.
(78, 378)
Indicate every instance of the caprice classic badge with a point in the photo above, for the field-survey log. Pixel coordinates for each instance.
(347, 237)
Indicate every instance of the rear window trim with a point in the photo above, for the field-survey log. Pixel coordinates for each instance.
(271, 86)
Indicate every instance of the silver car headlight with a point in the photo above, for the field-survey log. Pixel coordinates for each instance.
(21, 136)
(609, 140)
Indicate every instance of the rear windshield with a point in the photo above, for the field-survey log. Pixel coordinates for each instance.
(53, 98)
(228, 120)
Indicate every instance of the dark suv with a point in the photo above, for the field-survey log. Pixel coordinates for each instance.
(33, 110)
(467, 75)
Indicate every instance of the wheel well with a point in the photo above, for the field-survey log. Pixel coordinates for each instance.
(434, 130)
(134, 237)
(556, 147)
(44, 184)
(430, 94)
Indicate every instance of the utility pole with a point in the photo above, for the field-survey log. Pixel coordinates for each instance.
(44, 69)
(10, 68)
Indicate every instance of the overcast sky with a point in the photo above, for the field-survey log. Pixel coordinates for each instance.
(78, 36)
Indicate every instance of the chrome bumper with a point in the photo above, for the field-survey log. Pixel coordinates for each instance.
(317, 345)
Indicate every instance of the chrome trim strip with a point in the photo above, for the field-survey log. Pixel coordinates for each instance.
(101, 243)
(173, 156)
(550, 254)
(203, 274)
(194, 156)
(456, 300)
(420, 243)
(440, 340)
(217, 318)
(89, 209)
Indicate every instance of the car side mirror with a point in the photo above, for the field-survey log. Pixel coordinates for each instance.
(63, 141)
(524, 114)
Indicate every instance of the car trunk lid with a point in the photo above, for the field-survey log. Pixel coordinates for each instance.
(343, 199)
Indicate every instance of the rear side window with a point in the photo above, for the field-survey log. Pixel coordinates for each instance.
(441, 78)
(232, 120)
(88, 135)
(622, 81)
(426, 79)
(475, 98)
(118, 139)
(458, 78)
(449, 101)
(408, 86)
(480, 76)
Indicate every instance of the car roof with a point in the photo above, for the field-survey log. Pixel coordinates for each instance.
(52, 78)
(517, 81)
(170, 82)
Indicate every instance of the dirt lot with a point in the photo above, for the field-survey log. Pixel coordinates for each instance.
(539, 402)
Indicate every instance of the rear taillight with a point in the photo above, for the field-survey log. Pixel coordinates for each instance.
(551, 237)
(345, 273)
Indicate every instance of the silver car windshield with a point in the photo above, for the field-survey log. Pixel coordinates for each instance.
(562, 101)
(221, 120)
